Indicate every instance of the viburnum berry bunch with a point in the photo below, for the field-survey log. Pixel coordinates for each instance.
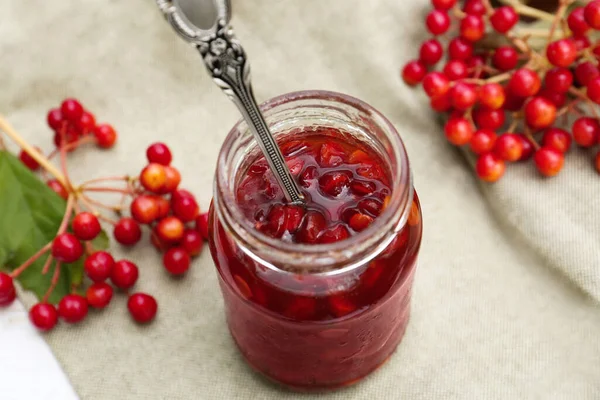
(68, 227)
(504, 98)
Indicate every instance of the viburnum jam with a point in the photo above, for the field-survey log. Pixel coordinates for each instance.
(317, 295)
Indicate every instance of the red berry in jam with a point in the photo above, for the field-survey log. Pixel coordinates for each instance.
(8, 293)
(176, 260)
(437, 22)
(170, 229)
(458, 131)
(504, 18)
(413, 73)
(86, 226)
(127, 231)
(505, 58)
(576, 22)
(436, 84)
(142, 307)
(124, 274)
(540, 113)
(73, 308)
(586, 131)
(591, 14)
(460, 49)
(192, 242)
(489, 167)
(359, 222)
(335, 234)
(335, 182)
(557, 139)
(144, 209)
(184, 205)
(71, 110)
(472, 28)
(431, 52)
(483, 141)
(29, 161)
(43, 316)
(331, 154)
(548, 161)
(314, 224)
(58, 188)
(99, 295)
(202, 225)
(524, 83)
(492, 96)
(562, 53)
(105, 135)
(159, 153)
(86, 123)
(508, 147)
(98, 266)
(55, 119)
(67, 248)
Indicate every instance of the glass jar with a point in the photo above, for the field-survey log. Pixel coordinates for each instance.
(349, 300)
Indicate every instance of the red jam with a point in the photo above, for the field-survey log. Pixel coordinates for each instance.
(311, 330)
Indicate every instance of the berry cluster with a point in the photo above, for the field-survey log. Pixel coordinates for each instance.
(506, 99)
(178, 228)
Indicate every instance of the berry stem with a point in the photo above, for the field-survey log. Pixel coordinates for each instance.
(47, 264)
(525, 10)
(109, 190)
(110, 178)
(102, 205)
(31, 260)
(560, 13)
(87, 202)
(71, 146)
(68, 211)
(54, 282)
(43, 161)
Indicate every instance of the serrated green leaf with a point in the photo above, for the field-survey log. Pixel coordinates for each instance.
(30, 215)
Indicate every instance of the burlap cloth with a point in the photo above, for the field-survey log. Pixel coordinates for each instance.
(504, 294)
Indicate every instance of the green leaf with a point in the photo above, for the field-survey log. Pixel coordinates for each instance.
(30, 215)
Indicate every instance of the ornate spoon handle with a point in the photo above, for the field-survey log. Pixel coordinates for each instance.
(226, 62)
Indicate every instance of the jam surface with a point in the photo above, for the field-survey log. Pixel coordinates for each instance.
(313, 331)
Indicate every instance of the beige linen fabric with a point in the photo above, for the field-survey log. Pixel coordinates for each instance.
(493, 315)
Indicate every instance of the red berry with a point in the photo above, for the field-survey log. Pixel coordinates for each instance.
(505, 58)
(437, 22)
(29, 161)
(67, 248)
(106, 136)
(7, 290)
(513, 102)
(504, 18)
(86, 123)
(440, 103)
(557, 139)
(559, 80)
(591, 14)
(192, 242)
(313, 225)
(548, 161)
(472, 28)
(98, 266)
(562, 52)
(359, 222)
(73, 308)
(176, 261)
(142, 307)
(460, 49)
(581, 42)
(202, 225)
(55, 119)
(144, 209)
(71, 110)
(170, 229)
(163, 206)
(413, 73)
(184, 205)
(455, 70)
(593, 90)
(463, 96)
(159, 153)
(492, 96)
(576, 22)
(335, 182)
(335, 234)
(431, 52)
(488, 119)
(597, 162)
(508, 147)
(124, 274)
(489, 167)
(558, 99)
(86, 226)
(66, 136)
(43, 316)
(436, 84)
(99, 295)
(540, 113)
(483, 141)
(58, 188)
(586, 131)
(528, 147)
(458, 131)
(443, 4)
(153, 177)
(474, 7)
(585, 72)
(524, 83)
(172, 180)
(127, 231)
(475, 66)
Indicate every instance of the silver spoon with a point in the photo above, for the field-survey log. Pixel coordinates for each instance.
(205, 24)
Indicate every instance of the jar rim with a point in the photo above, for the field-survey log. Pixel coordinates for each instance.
(321, 258)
